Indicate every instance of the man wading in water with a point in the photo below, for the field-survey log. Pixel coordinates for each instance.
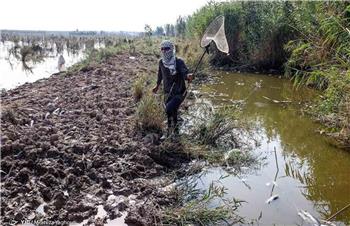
(173, 72)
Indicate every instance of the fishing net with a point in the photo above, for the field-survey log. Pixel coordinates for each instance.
(216, 32)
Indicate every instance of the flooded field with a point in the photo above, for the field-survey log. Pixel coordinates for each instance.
(29, 61)
(299, 169)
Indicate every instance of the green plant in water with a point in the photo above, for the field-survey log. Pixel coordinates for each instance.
(217, 126)
(27, 54)
(238, 158)
(198, 211)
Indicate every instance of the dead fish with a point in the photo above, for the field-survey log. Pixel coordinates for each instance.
(40, 209)
(56, 111)
(273, 182)
(31, 123)
(258, 84)
(327, 223)
(272, 198)
(302, 216)
(312, 218)
(306, 216)
(47, 114)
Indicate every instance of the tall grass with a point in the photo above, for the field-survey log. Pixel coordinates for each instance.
(138, 88)
(321, 58)
(150, 114)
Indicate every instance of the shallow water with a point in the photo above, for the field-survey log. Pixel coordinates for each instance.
(312, 175)
(13, 75)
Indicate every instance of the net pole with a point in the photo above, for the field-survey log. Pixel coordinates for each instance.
(206, 50)
(199, 62)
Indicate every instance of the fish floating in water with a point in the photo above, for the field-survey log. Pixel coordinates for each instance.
(272, 198)
(306, 216)
(273, 182)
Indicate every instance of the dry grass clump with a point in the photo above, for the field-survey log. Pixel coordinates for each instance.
(138, 88)
(150, 114)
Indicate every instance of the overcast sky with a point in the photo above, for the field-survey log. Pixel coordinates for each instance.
(108, 15)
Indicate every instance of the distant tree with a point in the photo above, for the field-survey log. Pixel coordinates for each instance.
(159, 31)
(180, 26)
(148, 34)
(169, 30)
(148, 30)
(172, 30)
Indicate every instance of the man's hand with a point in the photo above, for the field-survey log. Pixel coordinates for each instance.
(155, 89)
(189, 77)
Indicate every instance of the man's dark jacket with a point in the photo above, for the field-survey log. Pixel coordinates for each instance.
(173, 84)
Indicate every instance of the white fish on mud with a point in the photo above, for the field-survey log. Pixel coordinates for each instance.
(31, 123)
(272, 198)
(55, 112)
(306, 216)
(40, 209)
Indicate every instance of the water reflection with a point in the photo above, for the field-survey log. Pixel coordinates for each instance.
(21, 63)
(313, 175)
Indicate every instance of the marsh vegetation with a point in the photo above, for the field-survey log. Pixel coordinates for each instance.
(249, 137)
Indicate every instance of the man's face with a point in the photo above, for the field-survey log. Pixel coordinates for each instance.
(165, 49)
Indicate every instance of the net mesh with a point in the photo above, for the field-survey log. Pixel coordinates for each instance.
(216, 32)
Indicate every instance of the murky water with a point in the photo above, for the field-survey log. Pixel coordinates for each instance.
(13, 75)
(311, 175)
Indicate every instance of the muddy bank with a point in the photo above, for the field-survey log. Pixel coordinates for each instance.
(69, 144)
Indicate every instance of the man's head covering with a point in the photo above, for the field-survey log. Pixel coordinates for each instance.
(168, 56)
